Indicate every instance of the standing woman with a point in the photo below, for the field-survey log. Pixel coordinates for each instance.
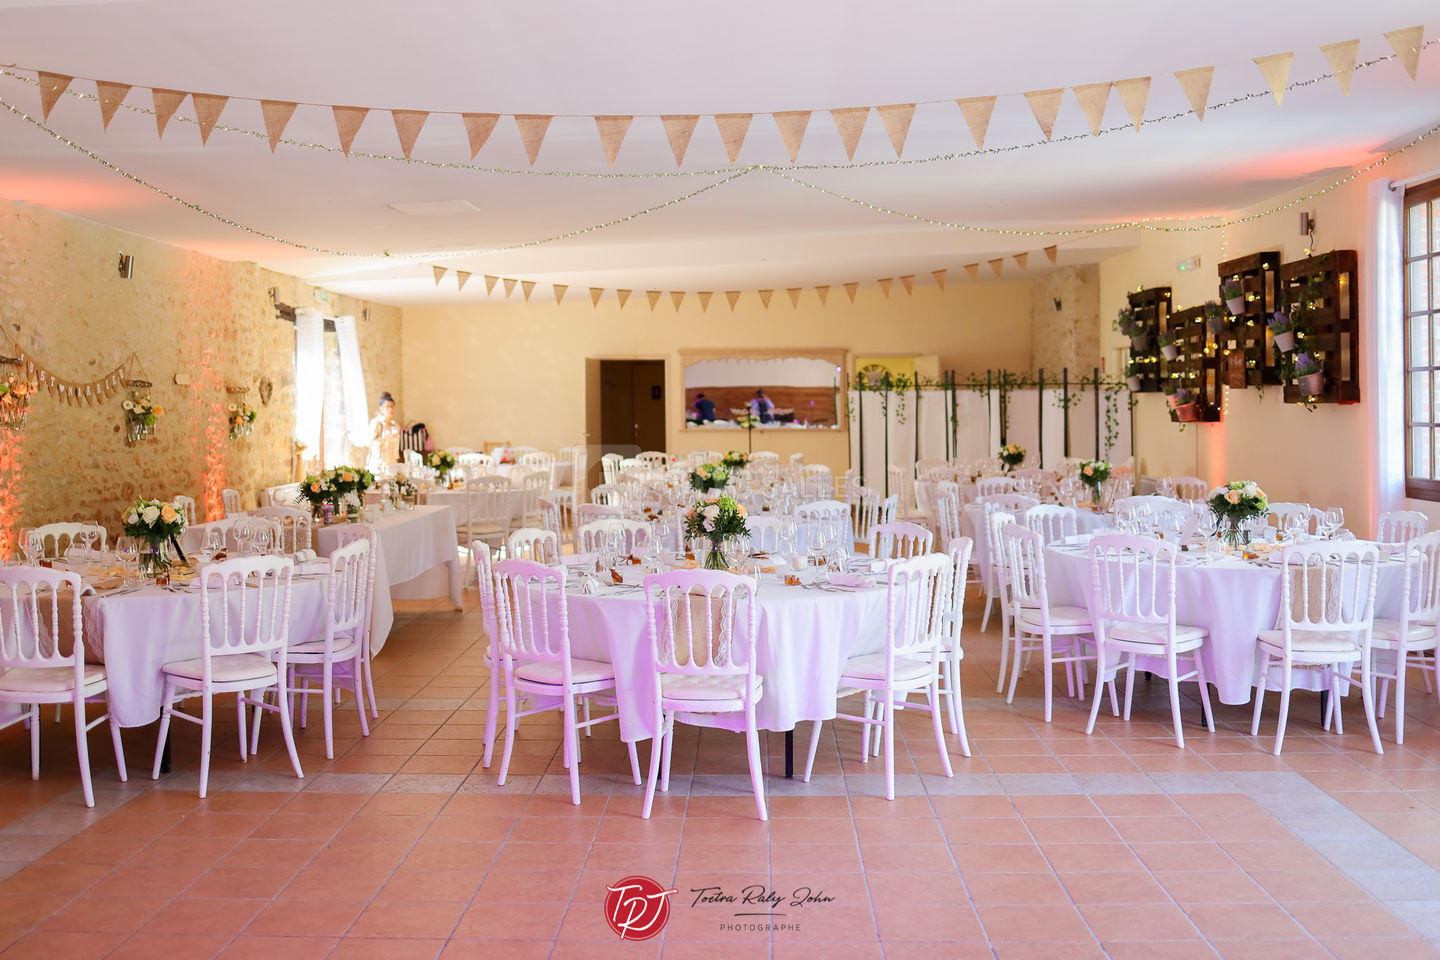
(384, 437)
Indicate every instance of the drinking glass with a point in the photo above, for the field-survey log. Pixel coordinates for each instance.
(261, 542)
(1297, 525)
(243, 535)
(214, 541)
(127, 551)
(1329, 521)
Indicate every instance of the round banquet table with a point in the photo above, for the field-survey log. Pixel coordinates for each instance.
(1233, 599)
(1087, 521)
(805, 635)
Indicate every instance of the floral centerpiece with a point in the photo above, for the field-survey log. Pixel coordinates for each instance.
(402, 489)
(141, 415)
(709, 476)
(317, 490)
(719, 520)
(442, 462)
(1235, 503)
(1094, 473)
(350, 484)
(158, 525)
(734, 460)
(242, 420)
(1012, 455)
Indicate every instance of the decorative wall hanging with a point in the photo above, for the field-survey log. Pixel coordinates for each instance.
(239, 414)
(1249, 283)
(16, 389)
(1322, 298)
(1144, 318)
(141, 414)
(266, 388)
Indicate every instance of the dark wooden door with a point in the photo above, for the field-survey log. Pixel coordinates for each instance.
(632, 406)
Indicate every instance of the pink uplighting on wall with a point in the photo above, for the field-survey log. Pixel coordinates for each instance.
(10, 457)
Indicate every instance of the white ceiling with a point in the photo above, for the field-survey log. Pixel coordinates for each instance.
(649, 58)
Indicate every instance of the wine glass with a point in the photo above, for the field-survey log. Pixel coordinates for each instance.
(214, 541)
(1329, 521)
(34, 547)
(261, 541)
(127, 552)
(1297, 525)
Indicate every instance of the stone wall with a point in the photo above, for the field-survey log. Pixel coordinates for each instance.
(63, 301)
(1065, 321)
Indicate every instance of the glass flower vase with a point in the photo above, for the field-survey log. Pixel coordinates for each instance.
(154, 560)
(717, 557)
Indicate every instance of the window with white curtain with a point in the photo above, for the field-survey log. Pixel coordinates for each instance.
(331, 412)
(1421, 273)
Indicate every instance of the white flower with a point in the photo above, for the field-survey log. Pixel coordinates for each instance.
(150, 514)
(710, 513)
(133, 519)
(1250, 489)
(128, 405)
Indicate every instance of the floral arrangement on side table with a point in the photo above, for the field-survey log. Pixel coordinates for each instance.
(242, 420)
(442, 462)
(719, 520)
(735, 459)
(1012, 455)
(1235, 503)
(1094, 473)
(709, 476)
(158, 525)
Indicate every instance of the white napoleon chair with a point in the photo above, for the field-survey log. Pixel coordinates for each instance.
(703, 648)
(1133, 610)
(1327, 613)
(295, 526)
(35, 668)
(915, 631)
(1052, 523)
(285, 495)
(536, 544)
(1409, 641)
(1401, 526)
(863, 508)
(654, 459)
(899, 540)
(244, 636)
(1058, 632)
(57, 539)
(635, 535)
(608, 494)
(994, 486)
(535, 654)
(543, 462)
(1185, 488)
(230, 499)
(764, 531)
(1291, 517)
(186, 506)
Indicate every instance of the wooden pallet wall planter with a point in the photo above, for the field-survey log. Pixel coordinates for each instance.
(1245, 347)
(1152, 307)
(1197, 368)
(1323, 293)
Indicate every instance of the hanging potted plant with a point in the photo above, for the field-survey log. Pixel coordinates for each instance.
(1216, 319)
(1234, 294)
(1186, 405)
(1134, 328)
(1132, 376)
(1283, 327)
(1168, 346)
(1309, 375)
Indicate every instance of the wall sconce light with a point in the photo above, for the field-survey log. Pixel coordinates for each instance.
(1056, 301)
(127, 266)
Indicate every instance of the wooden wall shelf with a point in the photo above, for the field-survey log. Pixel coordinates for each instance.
(1152, 308)
(1323, 292)
(1245, 350)
(1197, 368)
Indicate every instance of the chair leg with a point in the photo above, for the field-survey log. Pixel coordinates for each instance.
(1204, 692)
(119, 748)
(509, 727)
(165, 697)
(370, 687)
(952, 676)
(934, 692)
(255, 724)
(1336, 703)
(1285, 677)
(327, 685)
(573, 739)
(889, 708)
(1367, 694)
(287, 726)
(586, 702)
(865, 729)
(814, 743)
(492, 712)
(82, 749)
(1016, 657)
(669, 752)
(1049, 655)
(1401, 658)
(957, 708)
(1175, 704)
(244, 727)
(1129, 685)
(207, 705)
(656, 745)
(1260, 685)
(752, 747)
(1099, 677)
(634, 762)
(35, 741)
(356, 667)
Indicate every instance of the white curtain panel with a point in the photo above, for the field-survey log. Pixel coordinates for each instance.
(309, 376)
(1382, 334)
(352, 382)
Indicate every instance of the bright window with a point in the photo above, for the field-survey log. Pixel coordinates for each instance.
(1422, 341)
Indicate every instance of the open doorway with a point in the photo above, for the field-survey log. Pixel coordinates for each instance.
(626, 401)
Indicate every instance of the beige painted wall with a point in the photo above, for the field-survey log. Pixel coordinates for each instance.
(1319, 457)
(516, 371)
(61, 298)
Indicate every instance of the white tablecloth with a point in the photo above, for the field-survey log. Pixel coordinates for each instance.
(417, 561)
(136, 634)
(1087, 521)
(805, 636)
(1232, 599)
(455, 500)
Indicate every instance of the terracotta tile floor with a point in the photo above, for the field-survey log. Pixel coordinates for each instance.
(1046, 844)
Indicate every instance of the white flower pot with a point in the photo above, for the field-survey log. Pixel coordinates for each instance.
(1312, 384)
(1236, 305)
(1285, 341)
(1170, 351)
(1133, 383)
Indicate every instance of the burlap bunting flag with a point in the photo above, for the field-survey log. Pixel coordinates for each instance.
(347, 124)
(1134, 93)
(526, 286)
(823, 292)
(973, 269)
(1276, 69)
(678, 130)
(732, 296)
(622, 296)
(792, 124)
(733, 127)
(765, 296)
(595, 294)
(1341, 57)
(850, 289)
(704, 296)
(166, 103)
(908, 282)
(1022, 260)
(439, 273)
(277, 114)
(1092, 98)
(208, 108)
(1051, 252)
(110, 95)
(1196, 84)
(885, 283)
(532, 127)
(559, 289)
(509, 283)
(794, 294)
(939, 276)
(676, 296)
(1406, 44)
(850, 123)
(52, 85)
(1045, 104)
(654, 297)
(460, 277)
(408, 124)
(996, 264)
(478, 127)
(896, 117)
(612, 128)
(976, 111)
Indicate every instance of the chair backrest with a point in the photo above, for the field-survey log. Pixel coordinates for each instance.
(285, 495)
(186, 506)
(1117, 487)
(925, 497)
(485, 481)
(764, 531)
(1282, 515)
(59, 538)
(535, 543)
(1420, 595)
(915, 608)
(243, 528)
(1009, 502)
(818, 509)
(1035, 474)
(924, 465)
(947, 518)
(1070, 491)
(550, 516)
(654, 459)
(1133, 580)
(1052, 523)
(295, 524)
(230, 500)
(634, 534)
(863, 505)
(958, 552)
(485, 574)
(1401, 526)
(815, 470)
(899, 541)
(608, 494)
(695, 623)
(31, 627)
(1024, 552)
(531, 624)
(1185, 488)
(888, 508)
(588, 513)
(993, 486)
(349, 588)
(1329, 586)
(244, 608)
(489, 505)
(764, 456)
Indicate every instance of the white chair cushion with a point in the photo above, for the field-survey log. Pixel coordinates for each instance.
(343, 649)
(1154, 633)
(1416, 634)
(230, 668)
(1311, 641)
(48, 679)
(548, 671)
(1061, 616)
(872, 667)
(679, 686)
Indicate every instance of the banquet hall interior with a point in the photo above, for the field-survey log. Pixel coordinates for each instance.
(566, 480)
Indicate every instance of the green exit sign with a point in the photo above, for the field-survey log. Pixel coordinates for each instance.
(1188, 264)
